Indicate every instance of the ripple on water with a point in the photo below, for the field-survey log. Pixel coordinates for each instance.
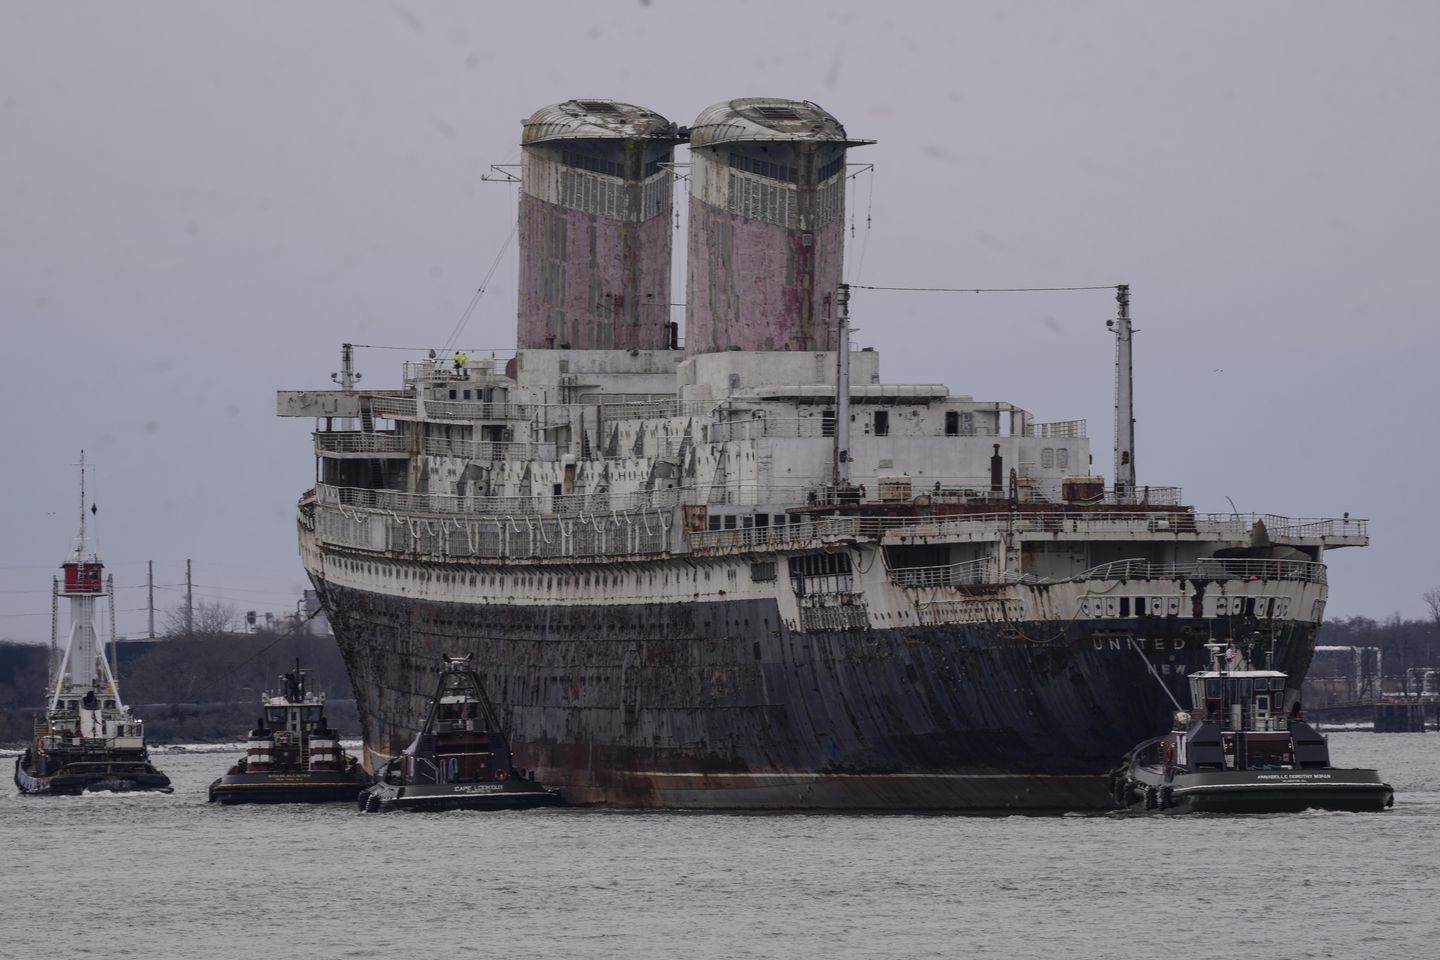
(172, 876)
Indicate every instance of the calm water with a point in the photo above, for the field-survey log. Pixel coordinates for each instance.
(175, 877)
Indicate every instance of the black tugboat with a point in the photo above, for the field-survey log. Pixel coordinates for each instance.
(89, 740)
(1238, 752)
(292, 755)
(460, 760)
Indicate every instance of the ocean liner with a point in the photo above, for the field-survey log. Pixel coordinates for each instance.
(745, 572)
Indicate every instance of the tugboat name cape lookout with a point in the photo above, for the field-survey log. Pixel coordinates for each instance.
(745, 572)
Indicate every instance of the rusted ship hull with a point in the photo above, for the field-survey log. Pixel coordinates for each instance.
(722, 706)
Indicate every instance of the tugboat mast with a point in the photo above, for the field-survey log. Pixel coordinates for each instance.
(81, 665)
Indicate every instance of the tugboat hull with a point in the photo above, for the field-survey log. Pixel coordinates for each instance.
(1252, 791)
(513, 794)
(73, 779)
(1287, 791)
(316, 786)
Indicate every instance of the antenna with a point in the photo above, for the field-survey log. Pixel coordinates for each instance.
(80, 544)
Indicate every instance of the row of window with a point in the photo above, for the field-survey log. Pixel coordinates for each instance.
(779, 203)
(830, 169)
(732, 521)
(1170, 606)
(609, 198)
(583, 161)
(783, 171)
(764, 168)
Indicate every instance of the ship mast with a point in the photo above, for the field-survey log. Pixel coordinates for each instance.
(842, 390)
(1124, 399)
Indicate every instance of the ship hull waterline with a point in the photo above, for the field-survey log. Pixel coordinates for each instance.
(93, 777)
(718, 706)
(314, 786)
(1256, 791)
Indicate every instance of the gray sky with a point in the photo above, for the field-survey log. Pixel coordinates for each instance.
(200, 201)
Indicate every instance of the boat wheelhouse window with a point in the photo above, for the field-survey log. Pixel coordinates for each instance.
(952, 423)
(311, 714)
(882, 423)
(730, 521)
(1212, 689)
(276, 715)
(714, 521)
(452, 394)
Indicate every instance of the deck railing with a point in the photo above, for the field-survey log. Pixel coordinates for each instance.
(393, 408)
(972, 527)
(358, 441)
(468, 410)
(1057, 430)
(488, 449)
(753, 428)
(1209, 568)
(443, 505)
(498, 538)
(981, 570)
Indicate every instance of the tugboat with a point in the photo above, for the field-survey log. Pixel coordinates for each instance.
(89, 740)
(1238, 752)
(460, 760)
(292, 756)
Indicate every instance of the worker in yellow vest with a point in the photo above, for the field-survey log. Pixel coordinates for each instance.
(461, 358)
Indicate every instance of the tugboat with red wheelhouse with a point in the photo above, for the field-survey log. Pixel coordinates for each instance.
(292, 755)
(89, 740)
(460, 760)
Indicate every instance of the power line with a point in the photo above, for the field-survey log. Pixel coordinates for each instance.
(1108, 286)
(379, 346)
(480, 292)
